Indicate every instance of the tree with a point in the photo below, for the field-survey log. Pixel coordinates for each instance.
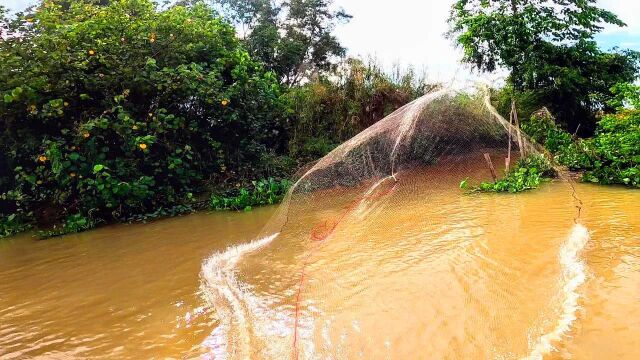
(294, 38)
(548, 47)
(115, 111)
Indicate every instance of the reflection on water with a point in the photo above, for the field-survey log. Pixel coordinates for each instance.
(422, 272)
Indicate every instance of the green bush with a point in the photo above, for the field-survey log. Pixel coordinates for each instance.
(617, 148)
(13, 224)
(542, 129)
(612, 156)
(263, 192)
(528, 174)
(113, 111)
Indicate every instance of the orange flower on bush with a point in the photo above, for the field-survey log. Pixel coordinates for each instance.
(42, 158)
(86, 135)
(66, 104)
(152, 37)
(91, 52)
(224, 102)
(143, 146)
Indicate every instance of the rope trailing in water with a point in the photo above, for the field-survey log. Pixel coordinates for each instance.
(319, 234)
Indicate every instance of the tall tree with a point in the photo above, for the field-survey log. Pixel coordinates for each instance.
(547, 45)
(294, 38)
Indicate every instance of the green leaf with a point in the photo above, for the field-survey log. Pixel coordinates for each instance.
(98, 168)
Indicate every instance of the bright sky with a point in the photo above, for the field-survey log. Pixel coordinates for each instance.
(410, 32)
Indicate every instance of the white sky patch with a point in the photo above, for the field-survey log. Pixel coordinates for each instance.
(405, 32)
(411, 32)
(628, 11)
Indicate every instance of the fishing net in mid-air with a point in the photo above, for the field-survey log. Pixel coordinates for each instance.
(371, 238)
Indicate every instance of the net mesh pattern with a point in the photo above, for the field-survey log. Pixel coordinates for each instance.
(446, 134)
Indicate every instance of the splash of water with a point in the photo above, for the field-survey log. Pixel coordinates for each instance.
(573, 276)
(220, 284)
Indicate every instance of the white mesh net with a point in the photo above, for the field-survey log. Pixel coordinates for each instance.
(329, 261)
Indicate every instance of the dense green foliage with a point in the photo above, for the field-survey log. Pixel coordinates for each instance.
(330, 111)
(294, 38)
(112, 111)
(548, 47)
(12, 224)
(264, 192)
(617, 150)
(625, 96)
(612, 156)
(124, 110)
(528, 174)
(567, 150)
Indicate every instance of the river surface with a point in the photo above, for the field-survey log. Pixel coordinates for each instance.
(424, 273)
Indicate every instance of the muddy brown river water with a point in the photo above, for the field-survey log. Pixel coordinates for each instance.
(426, 273)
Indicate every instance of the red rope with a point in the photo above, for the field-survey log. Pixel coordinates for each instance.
(318, 236)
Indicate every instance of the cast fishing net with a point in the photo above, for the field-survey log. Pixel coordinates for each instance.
(320, 271)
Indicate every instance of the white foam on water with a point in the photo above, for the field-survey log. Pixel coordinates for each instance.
(573, 276)
(220, 286)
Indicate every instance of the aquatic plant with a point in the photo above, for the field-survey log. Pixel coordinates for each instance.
(528, 174)
(260, 193)
(72, 224)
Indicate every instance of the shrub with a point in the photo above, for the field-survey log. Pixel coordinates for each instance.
(542, 129)
(612, 156)
(617, 148)
(263, 192)
(330, 110)
(12, 224)
(117, 110)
